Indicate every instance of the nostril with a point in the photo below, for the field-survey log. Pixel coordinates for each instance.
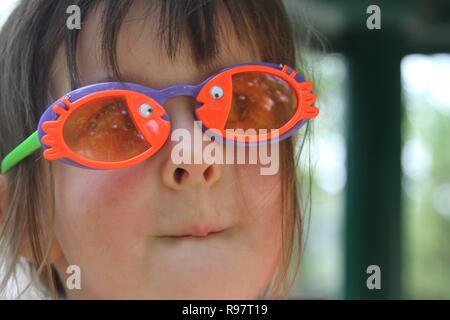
(208, 173)
(180, 174)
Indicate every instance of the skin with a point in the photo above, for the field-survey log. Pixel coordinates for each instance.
(116, 225)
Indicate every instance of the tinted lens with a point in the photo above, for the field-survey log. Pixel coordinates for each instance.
(260, 101)
(104, 131)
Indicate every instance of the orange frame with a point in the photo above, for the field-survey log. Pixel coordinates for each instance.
(213, 115)
(305, 98)
(54, 130)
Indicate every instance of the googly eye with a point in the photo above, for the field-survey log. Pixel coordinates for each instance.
(216, 92)
(146, 110)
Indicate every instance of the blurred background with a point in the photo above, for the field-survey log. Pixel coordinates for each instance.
(380, 149)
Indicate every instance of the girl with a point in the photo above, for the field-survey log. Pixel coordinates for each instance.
(150, 228)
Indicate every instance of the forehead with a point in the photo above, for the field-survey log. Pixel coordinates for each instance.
(142, 58)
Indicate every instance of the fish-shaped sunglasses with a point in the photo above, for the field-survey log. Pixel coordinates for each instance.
(115, 125)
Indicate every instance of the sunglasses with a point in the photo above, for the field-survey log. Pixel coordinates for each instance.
(115, 125)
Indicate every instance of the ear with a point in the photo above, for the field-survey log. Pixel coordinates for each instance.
(54, 255)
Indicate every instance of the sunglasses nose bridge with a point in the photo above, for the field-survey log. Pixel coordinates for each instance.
(178, 91)
(173, 92)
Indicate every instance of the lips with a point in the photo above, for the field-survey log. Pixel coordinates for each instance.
(198, 231)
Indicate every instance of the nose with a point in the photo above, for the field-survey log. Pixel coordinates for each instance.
(191, 173)
(178, 177)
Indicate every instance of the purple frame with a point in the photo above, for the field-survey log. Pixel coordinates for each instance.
(160, 96)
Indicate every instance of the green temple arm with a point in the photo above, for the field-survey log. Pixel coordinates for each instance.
(23, 150)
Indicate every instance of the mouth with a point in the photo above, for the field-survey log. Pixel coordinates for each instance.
(196, 232)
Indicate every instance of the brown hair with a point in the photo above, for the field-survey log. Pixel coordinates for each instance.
(28, 43)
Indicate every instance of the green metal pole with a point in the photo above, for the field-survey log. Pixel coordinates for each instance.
(373, 199)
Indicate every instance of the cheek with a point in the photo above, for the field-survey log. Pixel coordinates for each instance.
(261, 193)
(96, 200)
(96, 220)
(263, 200)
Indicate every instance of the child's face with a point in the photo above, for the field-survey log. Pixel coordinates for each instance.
(119, 226)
